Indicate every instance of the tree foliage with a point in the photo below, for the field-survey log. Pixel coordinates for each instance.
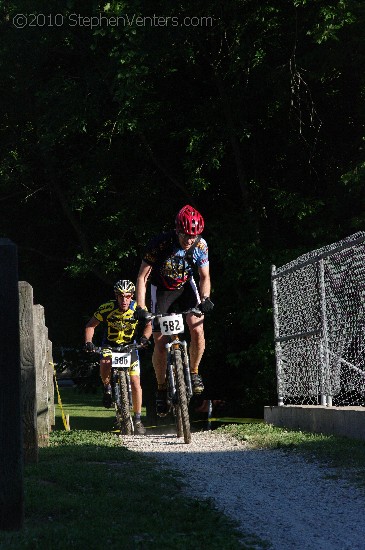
(255, 116)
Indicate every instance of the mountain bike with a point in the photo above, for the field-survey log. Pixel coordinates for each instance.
(120, 382)
(178, 381)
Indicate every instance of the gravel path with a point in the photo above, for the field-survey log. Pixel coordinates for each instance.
(287, 502)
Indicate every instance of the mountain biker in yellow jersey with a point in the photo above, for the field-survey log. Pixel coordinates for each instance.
(168, 259)
(119, 328)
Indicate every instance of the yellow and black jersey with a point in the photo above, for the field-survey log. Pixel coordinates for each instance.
(119, 325)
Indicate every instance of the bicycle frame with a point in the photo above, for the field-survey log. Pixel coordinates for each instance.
(176, 343)
(123, 401)
(178, 379)
(121, 388)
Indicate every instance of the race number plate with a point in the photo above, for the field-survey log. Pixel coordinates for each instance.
(172, 324)
(121, 359)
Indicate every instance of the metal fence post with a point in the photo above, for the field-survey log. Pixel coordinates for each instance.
(277, 335)
(326, 399)
(11, 444)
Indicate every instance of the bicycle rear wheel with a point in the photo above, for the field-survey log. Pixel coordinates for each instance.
(122, 410)
(182, 416)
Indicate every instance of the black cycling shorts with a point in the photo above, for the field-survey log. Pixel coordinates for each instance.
(174, 301)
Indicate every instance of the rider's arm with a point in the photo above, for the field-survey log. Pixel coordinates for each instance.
(147, 330)
(141, 283)
(204, 282)
(90, 328)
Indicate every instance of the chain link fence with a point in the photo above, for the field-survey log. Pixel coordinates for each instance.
(319, 323)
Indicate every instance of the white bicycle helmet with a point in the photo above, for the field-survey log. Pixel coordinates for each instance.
(124, 287)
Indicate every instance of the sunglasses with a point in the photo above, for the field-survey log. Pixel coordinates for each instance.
(186, 237)
(126, 296)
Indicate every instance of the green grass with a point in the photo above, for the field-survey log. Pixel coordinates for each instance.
(344, 455)
(88, 491)
(85, 411)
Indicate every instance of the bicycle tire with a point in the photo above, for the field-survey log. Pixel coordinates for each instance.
(182, 405)
(176, 412)
(178, 421)
(123, 415)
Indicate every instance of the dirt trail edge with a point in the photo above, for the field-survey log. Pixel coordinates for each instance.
(279, 497)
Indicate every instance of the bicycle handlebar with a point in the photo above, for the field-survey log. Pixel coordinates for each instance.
(122, 348)
(195, 311)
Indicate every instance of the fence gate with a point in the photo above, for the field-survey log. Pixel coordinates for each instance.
(319, 324)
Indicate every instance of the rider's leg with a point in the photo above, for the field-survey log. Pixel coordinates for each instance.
(105, 367)
(136, 393)
(159, 364)
(161, 302)
(197, 346)
(197, 343)
(139, 429)
(134, 373)
(159, 358)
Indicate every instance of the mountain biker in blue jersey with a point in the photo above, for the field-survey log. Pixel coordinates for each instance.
(119, 329)
(168, 259)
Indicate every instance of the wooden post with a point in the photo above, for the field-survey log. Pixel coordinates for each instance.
(41, 362)
(28, 377)
(51, 407)
(11, 451)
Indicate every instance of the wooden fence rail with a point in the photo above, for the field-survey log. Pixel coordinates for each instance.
(11, 451)
(36, 374)
(26, 385)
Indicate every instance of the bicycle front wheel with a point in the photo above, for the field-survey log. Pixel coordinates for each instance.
(123, 415)
(182, 416)
(178, 421)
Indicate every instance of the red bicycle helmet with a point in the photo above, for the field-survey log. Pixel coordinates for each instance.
(189, 221)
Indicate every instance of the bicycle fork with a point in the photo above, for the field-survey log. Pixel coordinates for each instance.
(129, 391)
(117, 397)
(187, 375)
(182, 345)
(115, 388)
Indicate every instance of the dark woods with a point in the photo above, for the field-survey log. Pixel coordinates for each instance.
(115, 115)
